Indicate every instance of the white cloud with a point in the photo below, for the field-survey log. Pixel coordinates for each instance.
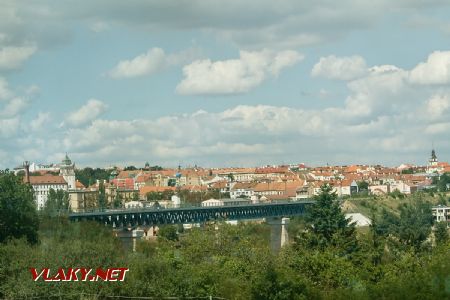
(13, 57)
(14, 107)
(436, 70)
(87, 113)
(38, 123)
(438, 128)
(99, 26)
(341, 68)
(9, 127)
(5, 92)
(235, 75)
(154, 60)
(438, 105)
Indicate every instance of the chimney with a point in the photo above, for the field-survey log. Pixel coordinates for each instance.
(26, 166)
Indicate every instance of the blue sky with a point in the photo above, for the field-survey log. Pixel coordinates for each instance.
(217, 83)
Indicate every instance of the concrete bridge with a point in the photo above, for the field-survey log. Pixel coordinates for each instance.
(276, 215)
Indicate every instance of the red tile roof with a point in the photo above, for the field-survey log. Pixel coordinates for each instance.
(47, 179)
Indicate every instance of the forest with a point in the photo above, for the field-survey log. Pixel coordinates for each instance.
(403, 255)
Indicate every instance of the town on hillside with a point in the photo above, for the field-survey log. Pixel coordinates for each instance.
(133, 187)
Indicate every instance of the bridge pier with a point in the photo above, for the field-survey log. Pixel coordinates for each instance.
(129, 237)
(278, 233)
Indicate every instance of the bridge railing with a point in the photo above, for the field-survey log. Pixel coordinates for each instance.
(182, 207)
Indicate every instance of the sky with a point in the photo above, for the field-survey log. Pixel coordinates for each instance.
(224, 83)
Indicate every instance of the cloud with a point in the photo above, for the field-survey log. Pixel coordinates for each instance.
(87, 113)
(99, 26)
(235, 75)
(436, 70)
(41, 119)
(438, 105)
(9, 127)
(384, 118)
(341, 68)
(154, 60)
(252, 25)
(5, 92)
(14, 57)
(14, 107)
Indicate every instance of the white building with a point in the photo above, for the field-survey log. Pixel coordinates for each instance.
(441, 213)
(358, 219)
(34, 167)
(42, 185)
(242, 189)
(212, 202)
(225, 202)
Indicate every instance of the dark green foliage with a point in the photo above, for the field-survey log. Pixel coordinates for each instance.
(117, 202)
(57, 203)
(156, 168)
(63, 245)
(328, 261)
(415, 223)
(408, 171)
(89, 176)
(327, 223)
(396, 194)
(444, 180)
(363, 186)
(441, 233)
(130, 168)
(168, 232)
(410, 228)
(165, 195)
(101, 199)
(18, 215)
(135, 196)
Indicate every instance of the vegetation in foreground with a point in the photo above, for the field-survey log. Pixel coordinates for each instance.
(400, 257)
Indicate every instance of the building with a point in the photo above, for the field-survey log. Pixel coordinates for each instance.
(432, 163)
(441, 213)
(242, 189)
(225, 202)
(42, 185)
(358, 219)
(67, 171)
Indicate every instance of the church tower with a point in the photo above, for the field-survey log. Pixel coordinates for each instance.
(67, 170)
(432, 162)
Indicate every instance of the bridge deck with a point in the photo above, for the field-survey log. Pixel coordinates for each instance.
(153, 216)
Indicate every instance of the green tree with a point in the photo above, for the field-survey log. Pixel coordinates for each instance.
(18, 215)
(442, 183)
(168, 232)
(408, 171)
(135, 196)
(328, 224)
(156, 168)
(397, 194)
(101, 195)
(57, 201)
(363, 186)
(411, 227)
(414, 226)
(231, 177)
(441, 233)
(118, 199)
(88, 176)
